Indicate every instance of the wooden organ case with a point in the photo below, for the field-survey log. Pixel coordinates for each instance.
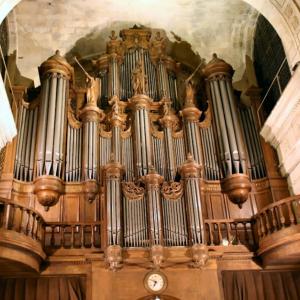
(145, 157)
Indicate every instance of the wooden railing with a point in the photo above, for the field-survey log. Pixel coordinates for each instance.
(277, 216)
(74, 235)
(226, 232)
(21, 219)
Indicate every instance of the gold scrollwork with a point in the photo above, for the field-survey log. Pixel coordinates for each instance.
(73, 121)
(172, 190)
(132, 192)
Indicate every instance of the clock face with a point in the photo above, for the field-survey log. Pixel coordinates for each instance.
(155, 282)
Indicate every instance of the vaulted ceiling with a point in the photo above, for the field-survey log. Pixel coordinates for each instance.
(39, 27)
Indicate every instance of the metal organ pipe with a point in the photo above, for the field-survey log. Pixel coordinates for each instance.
(142, 137)
(153, 181)
(164, 90)
(55, 73)
(113, 175)
(190, 172)
(232, 154)
(191, 116)
(91, 116)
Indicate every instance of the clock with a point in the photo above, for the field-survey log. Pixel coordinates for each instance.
(155, 282)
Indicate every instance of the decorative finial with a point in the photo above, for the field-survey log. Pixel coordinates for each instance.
(190, 157)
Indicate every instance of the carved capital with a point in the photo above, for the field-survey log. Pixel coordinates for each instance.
(191, 113)
(140, 102)
(57, 64)
(113, 170)
(153, 178)
(91, 113)
(216, 67)
(190, 168)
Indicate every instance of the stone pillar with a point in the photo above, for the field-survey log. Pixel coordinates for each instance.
(190, 172)
(55, 76)
(236, 183)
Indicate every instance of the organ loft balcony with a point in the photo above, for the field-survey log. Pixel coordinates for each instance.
(150, 163)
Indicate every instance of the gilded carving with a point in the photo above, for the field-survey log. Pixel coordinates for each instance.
(139, 79)
(131, 191)
(73, 121)
(172, 190)
(207, 118)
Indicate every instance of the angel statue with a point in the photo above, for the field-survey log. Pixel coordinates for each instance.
(93, 86)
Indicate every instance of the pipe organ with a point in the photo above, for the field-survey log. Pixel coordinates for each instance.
(134, 144)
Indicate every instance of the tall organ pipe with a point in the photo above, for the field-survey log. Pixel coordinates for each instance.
(163, 80)
(168, 122)
(55, 76)
(91, 116)
(142, 138)
(232, 154)
(191, 116)
(114, 76)
(113, 175)
(153, 181)
(190, 172)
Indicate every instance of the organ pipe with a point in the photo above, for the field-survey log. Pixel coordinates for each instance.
(91, 116)
(55, 76)
(232, 154)
(153, 181)
(113, 175)
(191, 116)
(169, 122)
(190, 172)
(142, 137)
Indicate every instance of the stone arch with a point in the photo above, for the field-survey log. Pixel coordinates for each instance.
(284, 15)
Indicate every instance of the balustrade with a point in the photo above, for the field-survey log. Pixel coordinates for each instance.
(21, 219)
(227, 232)
(277, 216)
(74, 235)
